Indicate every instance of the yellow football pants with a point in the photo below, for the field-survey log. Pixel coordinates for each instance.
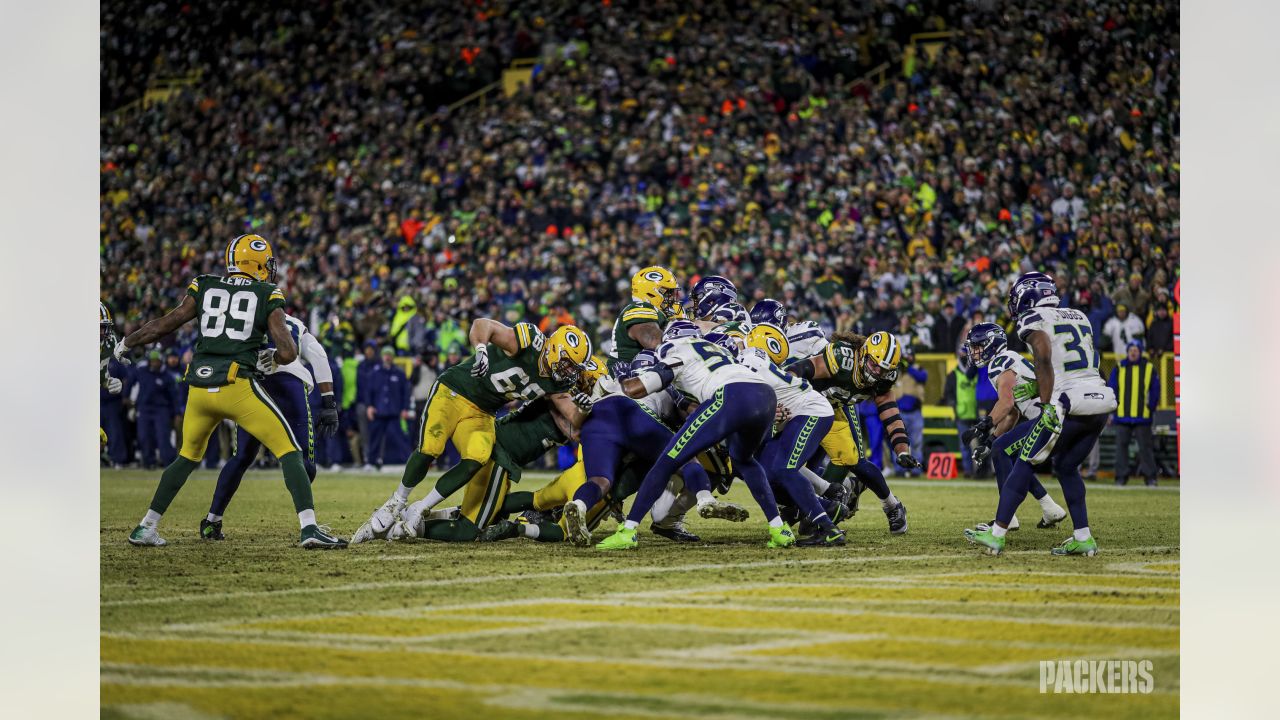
(484, 494)
(243, 402)
(561, 490)
(844, 440)
(447, 416)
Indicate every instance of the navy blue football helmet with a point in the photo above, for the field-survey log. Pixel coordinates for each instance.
(710, 302)
(1032, 290)
(730, 312)
(769, 312)
(728, 342)
(678, 329)
(984, 342)
(712, 283)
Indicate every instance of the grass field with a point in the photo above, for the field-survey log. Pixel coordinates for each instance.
(911, 626)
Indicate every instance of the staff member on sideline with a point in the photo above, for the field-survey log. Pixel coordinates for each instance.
(1137, 386)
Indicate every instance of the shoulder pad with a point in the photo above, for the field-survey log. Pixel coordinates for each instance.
(638, 312)
(1028, 322)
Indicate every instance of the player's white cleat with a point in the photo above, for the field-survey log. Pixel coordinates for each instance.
(146, 537)
(575, 523)
(415, 516)
(364, 534)
(1052, 516)
(384, 517)
(722, 511)
(401, 531)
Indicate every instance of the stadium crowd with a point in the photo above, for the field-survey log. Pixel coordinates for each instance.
(725, 138)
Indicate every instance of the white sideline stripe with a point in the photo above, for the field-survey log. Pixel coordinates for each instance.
(595, 572)
(505, 696)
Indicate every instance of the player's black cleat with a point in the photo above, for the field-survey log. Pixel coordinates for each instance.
(897, 518)
(859, 487)
(211, 530)
(501, 530)
(838, 492)
(838, 512)
(533, 517)
(823, 538)
(676, 532)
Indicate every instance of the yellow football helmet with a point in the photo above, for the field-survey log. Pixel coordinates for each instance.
(566, 353)
(105, 324)
(592, 371)
(656, 286)
(878, 358)
(251, 255)
(772, 341)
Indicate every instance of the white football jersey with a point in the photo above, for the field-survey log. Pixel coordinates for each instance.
(794, 393)
(661, 402)
(806, 339)
(1074, 358)
(701, 367)
(296, 368)
(1010, 361)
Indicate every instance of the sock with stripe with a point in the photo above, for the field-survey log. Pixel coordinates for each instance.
(517, 502)
(171, 481)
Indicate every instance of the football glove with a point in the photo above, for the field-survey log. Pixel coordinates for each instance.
(1025, 391)
(119, 352)
(327, 425)
(980, 453)
(1044, 434)
(979, 431)
(267, 361)
(582, 400)
(908, 461)
(480, 367)
(114, 385)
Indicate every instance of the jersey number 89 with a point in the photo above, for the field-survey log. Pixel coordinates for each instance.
(218, 304)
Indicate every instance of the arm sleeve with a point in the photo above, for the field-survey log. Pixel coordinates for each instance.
(525, 334)
(313, 352)
(193, 287)
(275, 300)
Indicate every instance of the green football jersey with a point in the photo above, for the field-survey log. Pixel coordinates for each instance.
(841, 359)
(625, 347)
(524, 435)
(510, 377)
(232, 317)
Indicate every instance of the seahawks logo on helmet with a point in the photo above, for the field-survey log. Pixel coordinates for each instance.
(204, 371)
(259, 245)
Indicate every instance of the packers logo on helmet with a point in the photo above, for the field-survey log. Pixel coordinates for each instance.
(771, 340)
(566, 353)
(105, 323)
(251, 255)
(878, 358)
(656, 286)
(592, 371)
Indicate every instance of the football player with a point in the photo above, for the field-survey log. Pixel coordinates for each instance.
(235, 312)
(1074, 403)
(106, 352)
(769, 312)
(850, 369)
(290, 387)
(805, 418)
(639, 325)
(522, 365)
(1015, 381)
(735, 404)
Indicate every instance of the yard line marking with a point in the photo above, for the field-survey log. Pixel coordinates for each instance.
(504, 695)
(594, 572)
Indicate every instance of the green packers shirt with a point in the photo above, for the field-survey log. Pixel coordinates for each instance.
(510, 377)
(232, 313)
(842, 387)
(625, 347)
(524, 435)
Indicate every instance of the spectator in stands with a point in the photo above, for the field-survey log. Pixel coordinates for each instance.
(1133, 296)
(1121, 329)
(1137, 386)
(948, 329)
(408, 330)
(1160, 330)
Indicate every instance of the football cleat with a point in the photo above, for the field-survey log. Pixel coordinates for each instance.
(401, 531)
(993, 544)
(722, 511)
(575, 523)
(675, 531)
(1051, 517)
(319, 537)
(622, 539)
(1072, 546)
(146, 537)
(1013, 525)
(780, 537)
(838, 492)
(364, 534)
(823, 538)
(211, 530)
(533, 517)
(897, 518)
(501, 530)
(856, 488)
(384, 517)
(839, 513)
